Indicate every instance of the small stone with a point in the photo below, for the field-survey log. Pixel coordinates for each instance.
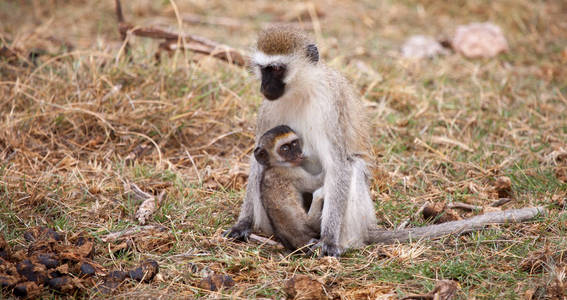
(479, 40)
(421, 46)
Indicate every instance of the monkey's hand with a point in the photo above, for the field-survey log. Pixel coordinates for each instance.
(326, 249)
(240, 231)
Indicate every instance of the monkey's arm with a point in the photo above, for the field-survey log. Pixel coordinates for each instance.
(243, 227)
(315, 211)
(305, 181)
(432, 232)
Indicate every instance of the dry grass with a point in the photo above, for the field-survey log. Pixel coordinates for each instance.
(78, 123)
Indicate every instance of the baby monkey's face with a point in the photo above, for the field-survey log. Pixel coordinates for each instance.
(279, 146)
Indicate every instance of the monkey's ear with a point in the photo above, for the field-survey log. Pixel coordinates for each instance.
(312, 53)
(261, 156)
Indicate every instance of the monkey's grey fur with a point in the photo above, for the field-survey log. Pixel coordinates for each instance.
(324, 110)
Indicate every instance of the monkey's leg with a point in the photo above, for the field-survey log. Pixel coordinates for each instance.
(360, 215)
(252, 213)
(337, 185)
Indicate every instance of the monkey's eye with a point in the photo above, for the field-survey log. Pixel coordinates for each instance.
(295, 144)
(284, 148)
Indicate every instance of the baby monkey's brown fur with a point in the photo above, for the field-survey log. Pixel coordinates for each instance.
(284, 181)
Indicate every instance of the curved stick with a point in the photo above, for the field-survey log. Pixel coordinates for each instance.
(432, 232)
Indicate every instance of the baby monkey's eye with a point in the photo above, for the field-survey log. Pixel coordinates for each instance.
(295, 144)
(284, 148)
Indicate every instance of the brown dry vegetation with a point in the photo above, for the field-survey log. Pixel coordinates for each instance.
(80, 118)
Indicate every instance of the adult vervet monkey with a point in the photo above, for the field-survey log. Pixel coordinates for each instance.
(325, 111)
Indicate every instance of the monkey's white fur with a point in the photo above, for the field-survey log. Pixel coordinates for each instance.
(309, 107)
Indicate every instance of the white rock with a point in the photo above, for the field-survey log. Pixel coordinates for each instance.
(479, 40)
(421, 46)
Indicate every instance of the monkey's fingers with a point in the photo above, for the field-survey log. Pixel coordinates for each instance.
(238, 232)
(327, 249)
(311, 248)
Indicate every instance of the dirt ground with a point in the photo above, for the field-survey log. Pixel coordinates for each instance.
(86, 117)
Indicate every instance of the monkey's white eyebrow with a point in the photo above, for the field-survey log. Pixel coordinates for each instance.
(262, 59)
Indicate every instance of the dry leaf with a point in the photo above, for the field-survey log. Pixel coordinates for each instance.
(303, 287)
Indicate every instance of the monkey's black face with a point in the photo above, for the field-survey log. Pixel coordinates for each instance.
(273, 85)
(291, 152)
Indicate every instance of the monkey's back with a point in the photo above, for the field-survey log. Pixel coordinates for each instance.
(283, 203)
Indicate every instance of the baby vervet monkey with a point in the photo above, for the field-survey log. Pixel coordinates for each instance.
(325, 111)
(283, 183)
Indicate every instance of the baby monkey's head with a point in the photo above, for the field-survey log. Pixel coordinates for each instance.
(279, 146)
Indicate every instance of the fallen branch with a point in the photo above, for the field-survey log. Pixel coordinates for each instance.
(415, 215)
(173, 40)
(500, 202)
(437, 231)
(126, 233)
(263, 240)
(188, 41)
(464, 206)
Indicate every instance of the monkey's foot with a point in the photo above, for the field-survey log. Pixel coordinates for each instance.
(240, 232)
(326, 249)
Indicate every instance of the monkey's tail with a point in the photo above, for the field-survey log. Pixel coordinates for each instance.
(432, 232)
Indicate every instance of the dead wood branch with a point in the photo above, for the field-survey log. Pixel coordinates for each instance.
(464, 206)
(188, 41)
(263, 240)
(415, 215)
(437, 231)
(500, 202)
(173, 40)
(124, 234)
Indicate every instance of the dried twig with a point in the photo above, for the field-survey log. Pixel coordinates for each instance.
(432, 232)
(415, 215)
(464, 206)
(500, 202)
(263, 240)
(120, 235)
(190, 42)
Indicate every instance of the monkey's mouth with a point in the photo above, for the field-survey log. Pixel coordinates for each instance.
(297, 160)
(273, 91)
